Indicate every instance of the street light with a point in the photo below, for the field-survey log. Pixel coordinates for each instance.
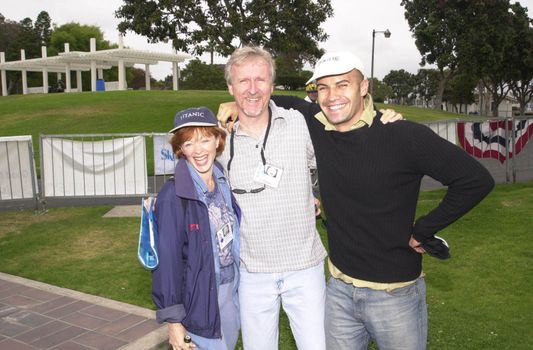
(387, 34)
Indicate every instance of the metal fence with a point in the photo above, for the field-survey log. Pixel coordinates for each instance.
(93, 165)
(501, 145)
(116, 165)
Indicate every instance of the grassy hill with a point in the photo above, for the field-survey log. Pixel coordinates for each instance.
(124, 111)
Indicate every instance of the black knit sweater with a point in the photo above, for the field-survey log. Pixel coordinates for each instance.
(369, 184)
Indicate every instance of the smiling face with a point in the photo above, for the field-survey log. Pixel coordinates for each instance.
(341, 98)
(251, 86)
(200, 151)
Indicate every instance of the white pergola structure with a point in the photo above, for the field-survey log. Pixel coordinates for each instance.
(93, 61)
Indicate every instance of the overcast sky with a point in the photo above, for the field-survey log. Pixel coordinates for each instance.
(349, 29)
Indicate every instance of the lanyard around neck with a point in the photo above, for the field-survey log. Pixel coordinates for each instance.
(232, 147)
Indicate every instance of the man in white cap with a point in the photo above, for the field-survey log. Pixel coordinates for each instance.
(268, 161)
(369, 175)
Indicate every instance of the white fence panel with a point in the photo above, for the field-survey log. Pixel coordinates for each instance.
(110, 167)
(17, 168)
(445, 129)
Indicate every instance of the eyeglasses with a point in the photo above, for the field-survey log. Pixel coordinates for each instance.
(242, 191)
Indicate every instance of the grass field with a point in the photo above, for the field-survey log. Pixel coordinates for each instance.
(479, 299)
(123, 111)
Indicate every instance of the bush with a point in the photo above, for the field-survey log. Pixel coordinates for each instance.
(291, 82)
(202, 76)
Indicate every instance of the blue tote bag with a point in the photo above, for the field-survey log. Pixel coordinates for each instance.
(148, 237)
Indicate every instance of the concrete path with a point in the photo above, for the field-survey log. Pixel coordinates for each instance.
(35, 315)
(121, 211)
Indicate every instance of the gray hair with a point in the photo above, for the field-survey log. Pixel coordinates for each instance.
(243, 54)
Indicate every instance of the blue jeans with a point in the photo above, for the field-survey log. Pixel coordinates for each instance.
(302, 294)
(396, 320)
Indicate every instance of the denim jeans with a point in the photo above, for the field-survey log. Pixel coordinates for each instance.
(396, 320)
(302, 294)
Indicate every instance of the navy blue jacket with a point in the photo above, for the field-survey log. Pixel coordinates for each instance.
(185, 284)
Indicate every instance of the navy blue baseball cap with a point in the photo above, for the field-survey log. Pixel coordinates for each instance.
(200, 116)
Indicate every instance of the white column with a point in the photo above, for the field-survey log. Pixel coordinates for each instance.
(147, 77)
(45, 71)
(121, 75)
(93, 65)
(175, 76)
(3, 74)
(178, 78)
(100, 73)
(121, 67)
(67, 71)
(78, 81)
(59, 76)
(24, 74)
(67, 78)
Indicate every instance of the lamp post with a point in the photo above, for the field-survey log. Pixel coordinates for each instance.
(387, 34)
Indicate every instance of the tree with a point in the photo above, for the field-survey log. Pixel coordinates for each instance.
(28, 39)
(78, 36)
(289, 28)
(382, 91)
(201, 76)
(15, 36)
(43, 28)
(288, 76)
(486, 44)
(401, 83)
(427, 84)
(138, 80)
(460, 90)
(521, 53)
(436, 26)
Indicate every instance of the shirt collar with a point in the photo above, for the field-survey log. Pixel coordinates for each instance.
(366, 118)
(199, 183)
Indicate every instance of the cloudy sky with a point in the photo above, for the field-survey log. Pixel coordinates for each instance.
(349, 29)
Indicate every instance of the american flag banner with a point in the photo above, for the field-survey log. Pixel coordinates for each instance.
(493, 139)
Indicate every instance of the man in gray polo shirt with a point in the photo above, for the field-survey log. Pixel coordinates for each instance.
(267, 157)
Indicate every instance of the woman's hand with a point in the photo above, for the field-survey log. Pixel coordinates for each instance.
(176, 337)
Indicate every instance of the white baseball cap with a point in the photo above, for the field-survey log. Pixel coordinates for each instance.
(335, 63)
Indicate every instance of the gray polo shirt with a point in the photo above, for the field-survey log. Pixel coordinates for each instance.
(278, 231)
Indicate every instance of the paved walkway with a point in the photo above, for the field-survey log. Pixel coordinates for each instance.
(35, 315)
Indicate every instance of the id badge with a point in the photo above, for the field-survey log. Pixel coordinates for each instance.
(268, 174)
(224, 236)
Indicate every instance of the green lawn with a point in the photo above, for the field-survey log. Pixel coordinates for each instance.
(479, 299)
(124, 111)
